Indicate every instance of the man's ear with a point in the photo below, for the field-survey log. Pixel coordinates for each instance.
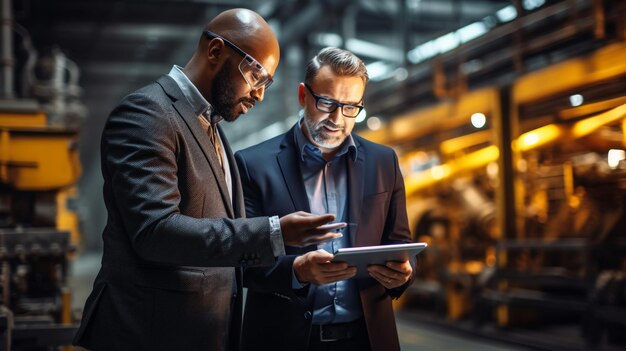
(301, 94)
(215, 50)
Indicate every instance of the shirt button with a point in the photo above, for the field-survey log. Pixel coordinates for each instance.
(307, 315)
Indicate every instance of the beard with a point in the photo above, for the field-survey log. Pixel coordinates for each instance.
(319, 135)
(223, 91)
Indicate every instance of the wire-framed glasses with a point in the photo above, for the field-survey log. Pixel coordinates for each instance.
(253, 72)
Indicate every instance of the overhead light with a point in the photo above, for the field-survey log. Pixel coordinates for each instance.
(329, 39)
(423, 52)
(615, 156)
(447, 42)
(378, 70)
(361, 116)
(530, 5)
(413, 4)
(506, 14)
(576, 100)
(471, 31)
(478, 120)
(453, 39)
(401, 74)
(374, 123)
(373, 50)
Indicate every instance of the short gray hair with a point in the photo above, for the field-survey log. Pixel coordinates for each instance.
(341, 62)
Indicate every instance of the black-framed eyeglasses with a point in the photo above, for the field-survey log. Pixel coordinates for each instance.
(329, 105)
(253, 72)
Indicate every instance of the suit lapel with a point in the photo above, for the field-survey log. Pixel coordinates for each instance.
(356, 180)
(186, 112)
(290, 168)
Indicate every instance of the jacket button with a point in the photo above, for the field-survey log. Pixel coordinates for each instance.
(307, 315)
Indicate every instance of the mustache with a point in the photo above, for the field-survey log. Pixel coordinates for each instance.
(328, 123)
(248, 101)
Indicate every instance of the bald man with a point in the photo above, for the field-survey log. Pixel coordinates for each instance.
(173, 195)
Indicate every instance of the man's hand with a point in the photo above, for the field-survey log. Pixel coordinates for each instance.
(315, 267)
(300, 229)
(392, 274)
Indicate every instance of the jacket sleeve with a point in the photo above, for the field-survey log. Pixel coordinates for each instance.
(139, 159)
(274, 279)
(396, 229)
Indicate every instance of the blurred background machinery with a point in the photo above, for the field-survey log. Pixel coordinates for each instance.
(39, 166)
(517, 179)
(508, 117)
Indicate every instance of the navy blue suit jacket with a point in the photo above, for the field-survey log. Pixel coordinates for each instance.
(277, 317)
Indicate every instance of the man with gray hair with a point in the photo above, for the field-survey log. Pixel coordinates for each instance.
(176, 242)
(305, 301)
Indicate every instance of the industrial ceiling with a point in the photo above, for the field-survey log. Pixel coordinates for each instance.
(120, 46)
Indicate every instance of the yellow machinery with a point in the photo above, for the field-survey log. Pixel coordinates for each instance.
(526, 215)
(39, 159)
(39, 168)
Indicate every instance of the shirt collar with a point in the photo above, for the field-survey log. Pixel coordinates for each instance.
(198, 103)
(305, 146)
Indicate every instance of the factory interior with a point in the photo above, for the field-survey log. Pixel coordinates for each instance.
(508, 118)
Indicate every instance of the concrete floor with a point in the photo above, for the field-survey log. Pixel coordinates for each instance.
(419, 338)
(412, 337)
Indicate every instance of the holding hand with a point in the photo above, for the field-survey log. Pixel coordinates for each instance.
(315, 267)
(302, 229)
(392, 274)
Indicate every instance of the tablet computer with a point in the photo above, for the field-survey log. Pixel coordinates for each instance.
(363, 256)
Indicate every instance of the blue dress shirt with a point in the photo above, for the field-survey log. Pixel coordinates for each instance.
(326, 184)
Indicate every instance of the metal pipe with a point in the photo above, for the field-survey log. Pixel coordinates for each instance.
(27, 75)
(7, 51)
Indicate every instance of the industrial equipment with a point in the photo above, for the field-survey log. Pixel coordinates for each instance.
(39, 166)
(524, 213)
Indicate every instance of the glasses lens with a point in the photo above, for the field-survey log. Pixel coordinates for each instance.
(350, 111)
(325, 105)
(254, 73)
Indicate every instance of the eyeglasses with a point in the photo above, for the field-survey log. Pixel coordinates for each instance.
(253, 72)
(329, 106)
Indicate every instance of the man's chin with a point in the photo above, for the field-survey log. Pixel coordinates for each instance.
(329, 144)
(231, 118)
(230, 115)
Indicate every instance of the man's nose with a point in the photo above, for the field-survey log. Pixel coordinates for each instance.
(335, 116)
(258, 94)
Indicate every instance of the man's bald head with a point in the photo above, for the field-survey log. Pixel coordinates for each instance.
(215, 67)
(249, 31)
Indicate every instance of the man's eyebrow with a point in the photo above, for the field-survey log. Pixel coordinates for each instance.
(345, 103)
